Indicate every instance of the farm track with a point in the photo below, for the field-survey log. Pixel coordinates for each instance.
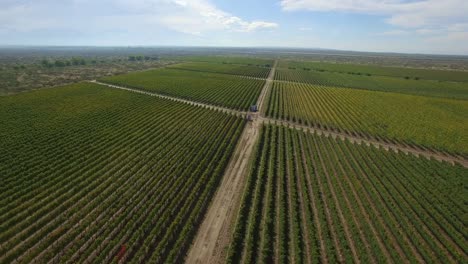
(362, 140)
(213, 237)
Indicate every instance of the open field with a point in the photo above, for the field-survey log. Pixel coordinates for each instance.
(430, 122)
(313, 199)
(217, 89)
(444, 89)
(428, 74)
(234, 69)
(92, 174)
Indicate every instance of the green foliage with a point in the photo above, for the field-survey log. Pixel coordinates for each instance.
(87, 168)
(432, 122)
(427, 74)
(406, 85)
(326, 198)
(233, 69)
(218, 89)
(247, 60)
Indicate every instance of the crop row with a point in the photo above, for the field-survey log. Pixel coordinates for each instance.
(251, 71)
(217, 89)
(109, 175)
(454, 90)
(315, 199)
(399, 72)
(415, 120)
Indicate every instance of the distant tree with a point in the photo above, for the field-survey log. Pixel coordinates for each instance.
(416, 78)
(46, 63)
(407, 77)
(59, 63)
(131, 58)
(75, 61)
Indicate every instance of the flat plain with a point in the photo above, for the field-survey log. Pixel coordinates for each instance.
(174, 164)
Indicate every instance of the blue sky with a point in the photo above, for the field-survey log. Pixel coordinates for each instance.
(413, 26)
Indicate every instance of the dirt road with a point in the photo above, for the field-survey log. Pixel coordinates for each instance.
(213, 237)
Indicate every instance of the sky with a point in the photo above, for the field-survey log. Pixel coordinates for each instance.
(408, 26)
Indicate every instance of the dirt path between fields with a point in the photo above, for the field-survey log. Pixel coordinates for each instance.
(213, 237)
(366, 141)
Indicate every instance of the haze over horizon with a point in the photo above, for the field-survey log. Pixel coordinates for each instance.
(406, 26)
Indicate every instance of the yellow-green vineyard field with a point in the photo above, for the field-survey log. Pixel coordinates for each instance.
(431, 122)
(217, 89)
(91, 174)
(315, 199)
(444, 89)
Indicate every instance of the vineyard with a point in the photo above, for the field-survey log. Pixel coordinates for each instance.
(151, 166)
(217, 89)
(454, 90)
(400, 72)
(415, 120)
(92, 174)
(251, 71)
(249, 61)
(315, 199)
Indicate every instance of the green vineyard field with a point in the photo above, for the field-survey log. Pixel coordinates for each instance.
(249, 61)
(91, 174)
(217, 89)
(428, 74)
(432, 122)
(251, 71)
(315, 199)
(454, 90)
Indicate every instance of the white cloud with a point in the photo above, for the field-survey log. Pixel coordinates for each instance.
(441, 23)
(401, 13)
(194, 17)
(197, 16)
